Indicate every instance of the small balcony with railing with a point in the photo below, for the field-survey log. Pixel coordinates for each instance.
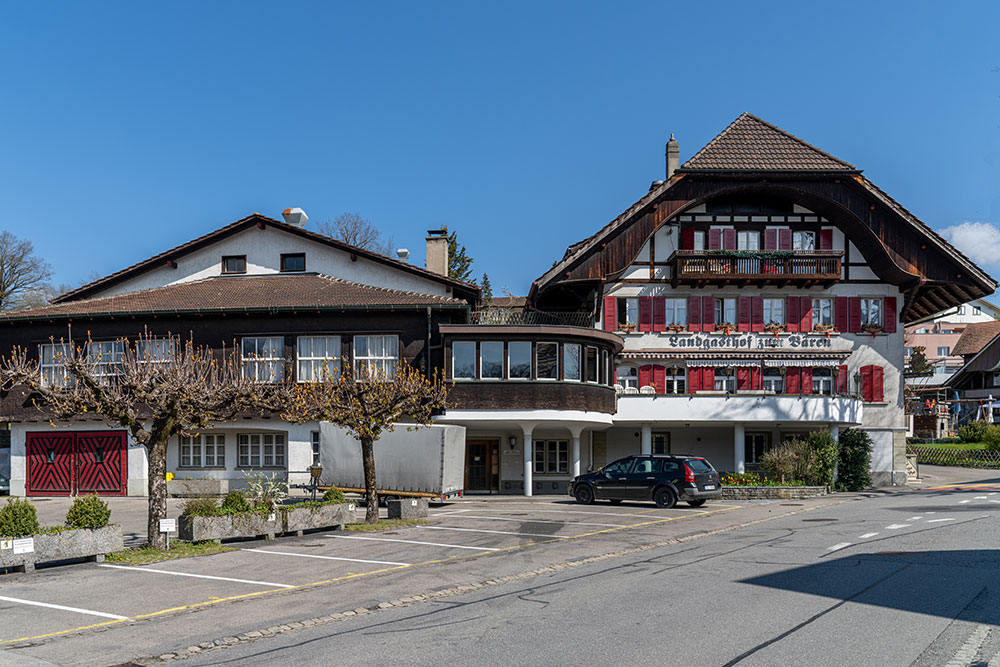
(781, 267)
(519, 317)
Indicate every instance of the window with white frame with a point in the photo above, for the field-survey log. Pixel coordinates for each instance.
(263, 358)
(748, 240)
(463, 360)
(772, 380)
(571, 361)
(725, 311)
(976, 310)
(519, 360)
(628, 376)
(628, 310)
(261, 450)
(803, 240)
(996, 379)
(318, 357)
(871, 312)
(547, 361)
(491, 360)
(774, 311)
(314, 440)
(604, 367)
(943, 351)
(52, 364)
(591, 365)
(755, 445)
(676, 381)
(676, 312)
(551, 457)
(822, 312)
(961, 310)
(105, 359)
(155, 350)
(699, 240)
(823, 381)
(725, 379)
(206, 450)
(907, 351)
(376, 354)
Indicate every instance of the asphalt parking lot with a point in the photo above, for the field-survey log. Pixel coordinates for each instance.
(68, 598)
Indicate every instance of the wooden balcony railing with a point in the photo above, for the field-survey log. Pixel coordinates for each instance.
(766, 266)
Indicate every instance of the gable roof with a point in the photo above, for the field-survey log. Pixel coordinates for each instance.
(253, 293)
(975, 337)
(256, 219)
(753, 144)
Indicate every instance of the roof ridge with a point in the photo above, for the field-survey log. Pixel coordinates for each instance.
(377, 288)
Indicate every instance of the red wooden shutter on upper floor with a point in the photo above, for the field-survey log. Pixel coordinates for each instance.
(708, 313)
(805, 314)
(866, 383)
(610, 313)
(694, 380)
(770, 239)
(784, 239)
(756, 313)
(826, 239)
(645, 375)
(792, 380)
(889, 323)
(660, 379)
(694, 313)
(687, 238)
(729, 239)
(755, 376)
(792, 316)
(842, 387)
(743, 317)
(806, 380)
(715, 239)
(645, 313)
(708, 378)
(854, 309)
(877, 384)
(659, 313)
(840, 308)
(743, 377)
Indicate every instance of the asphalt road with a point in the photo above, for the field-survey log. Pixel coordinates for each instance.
(902, 579)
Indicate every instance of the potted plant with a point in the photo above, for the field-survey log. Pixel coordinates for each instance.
(774, 328)
(871, 328)
(675, 328)
(727, 328)
(824, 329)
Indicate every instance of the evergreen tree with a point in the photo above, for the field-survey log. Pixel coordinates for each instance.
(487, 290)
(459, 263)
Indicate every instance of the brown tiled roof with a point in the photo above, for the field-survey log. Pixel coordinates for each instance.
(975, 337)
(241, 294)
(752, 144)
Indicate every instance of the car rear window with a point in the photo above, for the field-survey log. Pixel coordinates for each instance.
(699, 465)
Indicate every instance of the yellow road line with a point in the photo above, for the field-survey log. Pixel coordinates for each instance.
(963, 486)
(449, 559)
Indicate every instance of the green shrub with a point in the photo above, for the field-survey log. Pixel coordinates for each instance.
(826, 451)
(854, 466)
(235, 503)
(992, 438)
(780, 461)
(974, 431)
(200, 506)
(18, 518)
(88, 512)
(334, 495)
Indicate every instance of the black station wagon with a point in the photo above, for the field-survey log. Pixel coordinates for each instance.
(662, 478)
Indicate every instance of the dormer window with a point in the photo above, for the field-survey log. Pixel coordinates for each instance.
(293, 262)
(234, 264)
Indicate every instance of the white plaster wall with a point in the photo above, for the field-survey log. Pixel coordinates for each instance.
(263, 249)
(882, 451)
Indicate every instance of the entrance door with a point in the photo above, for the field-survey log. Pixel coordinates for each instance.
(63, 464)
(482, 463)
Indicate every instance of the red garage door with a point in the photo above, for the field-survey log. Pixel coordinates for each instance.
(62, 464)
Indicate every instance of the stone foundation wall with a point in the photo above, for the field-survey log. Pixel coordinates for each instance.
(771, 492)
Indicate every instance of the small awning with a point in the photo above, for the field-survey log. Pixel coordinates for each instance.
(772, 363)
(724, 363)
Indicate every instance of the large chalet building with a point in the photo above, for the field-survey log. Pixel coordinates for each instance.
(758, 292)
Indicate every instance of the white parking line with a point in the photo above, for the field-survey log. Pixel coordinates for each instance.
(349, 560)
(980, 497)
(837, 547)
(644, 515)
(897, 526)
(939, 520)
(495, 532)
(565, 523)
(962, 502)
(389, 539)
(995, 501)
(196, 576)
(62, 608)
(915, 518)
(867, 535)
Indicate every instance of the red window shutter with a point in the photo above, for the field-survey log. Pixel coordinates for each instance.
(806, 381)
(729, 239)
(770, 239)
(743, 318)
(694, 380)
(645, 375)
(792, 380)
(645, 313)
(866, 383)
(708, 378)
(660, 379)
(855, 315)
(756, 313)
(687, 238)
(615, 369)
(842, 387)
(743, 378)
(610, 313)
(792, 314)
(755, 376)
(694, 313)
(805, 314)
(840, 309)
(784, 239)
(889, 316)
(715, 239)
(659, 313)
(877, 384)
(826, 239)
(708, 313)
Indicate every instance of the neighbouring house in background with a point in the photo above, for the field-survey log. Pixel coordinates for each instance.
(939, 336)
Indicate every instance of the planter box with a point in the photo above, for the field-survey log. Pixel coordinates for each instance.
(250, 524)
(313, 518)
(64, 545)
(181, 488)
(772, 492)
(407, 508)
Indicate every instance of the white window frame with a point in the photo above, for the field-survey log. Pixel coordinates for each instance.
(822, 314)
(946, 353)
(475, 359)
(265, 368)
(551, 457)
(725, 382)
(774, 311)
(727, 310)
(315, 438)
(746, 240)
(866, 311)
(383, 364)
(675, 384)
(772, 380)
(823, 381)
(519, 344)
(631, 310)
(313, 367)
(566, 348)
(155, 350)
(627, 376)
(586, 374)
(194, 450)
(699, 240)
(676, 311)
(262, 450)
(538, 347)
(492, 345)
(976, 310)
(996, 379)
(52, 364)
(105, 359)
(798, 239)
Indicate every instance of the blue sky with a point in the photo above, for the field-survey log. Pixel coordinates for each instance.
(130, 127)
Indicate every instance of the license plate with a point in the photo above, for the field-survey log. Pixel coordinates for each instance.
(710, 487)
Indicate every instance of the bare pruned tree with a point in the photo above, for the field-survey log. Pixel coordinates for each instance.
(357, 231)
(21, 271)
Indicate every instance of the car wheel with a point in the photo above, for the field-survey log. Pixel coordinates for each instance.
(584, 494)
(696, 503)
(664, 498)
(615, 501)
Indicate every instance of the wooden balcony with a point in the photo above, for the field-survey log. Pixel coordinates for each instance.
(767, 267)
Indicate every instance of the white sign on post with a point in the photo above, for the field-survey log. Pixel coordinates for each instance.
(168, 525)
(25, 545)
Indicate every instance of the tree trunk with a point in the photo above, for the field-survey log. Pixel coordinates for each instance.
(371, 491)
(157, 452)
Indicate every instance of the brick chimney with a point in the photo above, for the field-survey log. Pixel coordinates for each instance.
(673, 156)
(437, 250)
